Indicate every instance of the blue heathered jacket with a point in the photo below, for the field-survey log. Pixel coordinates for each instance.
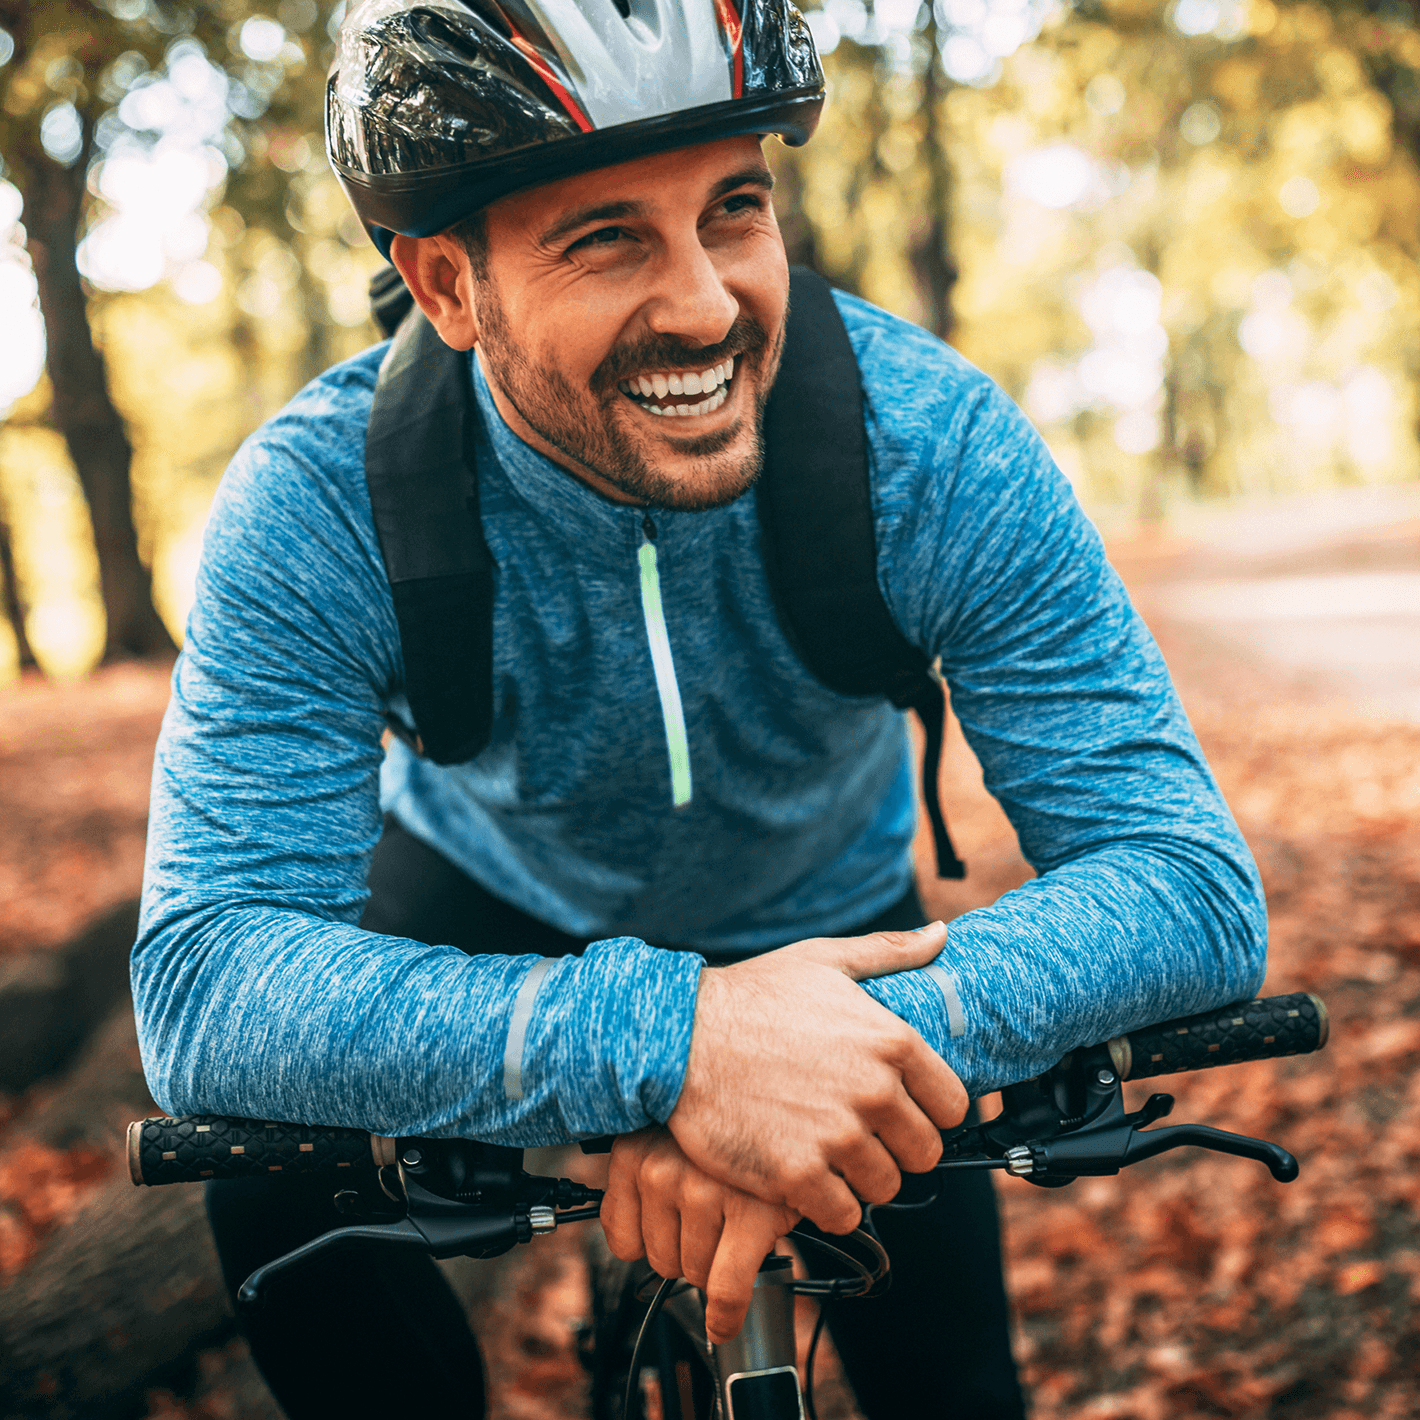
(258, 995)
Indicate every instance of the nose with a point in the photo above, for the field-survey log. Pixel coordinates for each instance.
(689, 300)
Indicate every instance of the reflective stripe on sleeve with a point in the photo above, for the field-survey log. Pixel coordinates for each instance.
(518, 1026)
(947, 985)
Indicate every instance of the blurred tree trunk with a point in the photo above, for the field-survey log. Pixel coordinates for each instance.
(10, 596)
(81, 408)
(800, 240)
(930, 254)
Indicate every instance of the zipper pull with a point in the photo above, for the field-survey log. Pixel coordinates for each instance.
(648, 528)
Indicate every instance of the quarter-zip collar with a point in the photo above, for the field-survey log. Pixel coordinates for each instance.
(603, 530)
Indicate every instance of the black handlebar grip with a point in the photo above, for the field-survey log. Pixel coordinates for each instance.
(196, 1147)
(1248, 1030)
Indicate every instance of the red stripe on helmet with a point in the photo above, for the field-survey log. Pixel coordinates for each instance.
(734, 33)
(548, 77)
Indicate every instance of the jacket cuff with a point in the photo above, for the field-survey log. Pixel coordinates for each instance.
(618, 1020)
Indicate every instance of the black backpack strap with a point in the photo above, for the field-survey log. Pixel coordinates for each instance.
(820, 543)
(390, 299)
(419, 466)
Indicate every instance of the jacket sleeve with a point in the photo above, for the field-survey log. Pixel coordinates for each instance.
(1147, 904)
(256, 992)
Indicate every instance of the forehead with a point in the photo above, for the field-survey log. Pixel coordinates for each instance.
(664, 183)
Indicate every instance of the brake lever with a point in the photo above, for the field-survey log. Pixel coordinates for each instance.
(435, 1225)
(1112, 1140)
(1034, 1141)
(1283, 1166)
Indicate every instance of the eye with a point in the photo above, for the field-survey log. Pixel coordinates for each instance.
(602, 237)
(743, 202)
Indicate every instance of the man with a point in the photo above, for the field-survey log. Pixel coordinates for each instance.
(574, 192)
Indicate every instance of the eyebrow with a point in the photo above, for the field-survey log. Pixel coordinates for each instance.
(753, 176)
(584, 216)
(618, 211)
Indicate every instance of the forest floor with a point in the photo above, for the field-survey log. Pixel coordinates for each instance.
(1193, 1286)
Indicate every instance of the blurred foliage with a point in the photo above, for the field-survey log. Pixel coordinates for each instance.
(1186, 235)
(240, 300)
(1191, 255)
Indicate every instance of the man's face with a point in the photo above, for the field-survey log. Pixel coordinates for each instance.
(632, 318)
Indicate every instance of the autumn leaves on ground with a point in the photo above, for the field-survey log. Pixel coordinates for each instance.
(1192, 1286)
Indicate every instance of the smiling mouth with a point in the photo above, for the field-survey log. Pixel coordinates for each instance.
(681, 394)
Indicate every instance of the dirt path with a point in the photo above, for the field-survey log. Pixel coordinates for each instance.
(75, 761)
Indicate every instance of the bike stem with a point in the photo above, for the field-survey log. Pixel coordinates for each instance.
(757, 1373)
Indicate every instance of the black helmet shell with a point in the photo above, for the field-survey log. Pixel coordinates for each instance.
(435, 108)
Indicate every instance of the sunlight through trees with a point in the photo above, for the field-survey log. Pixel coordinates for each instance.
(1183, 235)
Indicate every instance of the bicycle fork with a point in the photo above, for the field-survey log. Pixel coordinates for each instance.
(756, 1375)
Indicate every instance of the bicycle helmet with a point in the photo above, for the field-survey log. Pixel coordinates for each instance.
(435, 108)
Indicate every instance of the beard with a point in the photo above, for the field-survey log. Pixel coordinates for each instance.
(600, 429)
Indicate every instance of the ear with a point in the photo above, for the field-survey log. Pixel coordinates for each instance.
(439, 275)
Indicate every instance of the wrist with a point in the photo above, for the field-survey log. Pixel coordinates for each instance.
(705, 1032)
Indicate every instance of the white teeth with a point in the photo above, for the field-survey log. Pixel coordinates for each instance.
(703, 382)
(690, 411)
(624, 387)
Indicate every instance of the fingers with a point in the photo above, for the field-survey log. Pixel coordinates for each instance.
(621, 1203)
(660, 1231)
(702, 1221)
(912, 1139)
(691, 1226)
(660, 1179)
(880, 953)
(749, 1237)
(868, 1169)
(826, 1200)
(932, 1083)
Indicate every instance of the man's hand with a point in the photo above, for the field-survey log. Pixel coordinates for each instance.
(803, 1090)
(658, 1205)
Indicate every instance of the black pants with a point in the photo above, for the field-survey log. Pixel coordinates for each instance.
(379, 1334)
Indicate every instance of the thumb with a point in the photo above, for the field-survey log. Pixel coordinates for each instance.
(880, 953)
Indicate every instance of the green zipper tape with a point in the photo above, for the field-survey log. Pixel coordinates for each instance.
(677, 744)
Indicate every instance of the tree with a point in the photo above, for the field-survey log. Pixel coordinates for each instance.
(49, 109)
(10, 597)
(930, 252)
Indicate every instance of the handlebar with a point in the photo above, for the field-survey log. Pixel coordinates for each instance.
(459, 1197)
(196, 1147)
(1248, 1030)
